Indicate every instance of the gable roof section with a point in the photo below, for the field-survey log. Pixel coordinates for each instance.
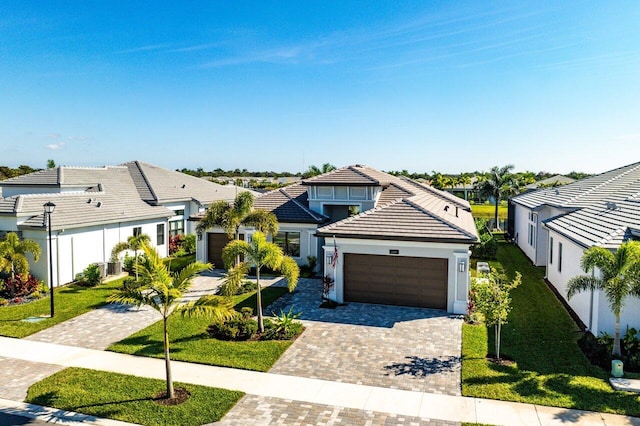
(355, 175)
(289, 204)
(613, 185)
(114, 199)
(159, 185)
(406, 219)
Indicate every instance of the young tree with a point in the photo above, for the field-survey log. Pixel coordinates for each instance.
(163, 291)
(493, 300)
(498, 183)
(135, 243)
(51, 164)
(619, 278)
(13, 258)
(315, 170)
(231, 216)
(259, 253)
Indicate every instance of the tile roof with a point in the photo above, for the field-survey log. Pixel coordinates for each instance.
(159, 185)
(289, 204)
(114, 199)
(355, 175)
(107, 194)
(410, 219)
(602, 210)
(408, 210)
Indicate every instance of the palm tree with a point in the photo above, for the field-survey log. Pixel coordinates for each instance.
(231, 216)
(135, 243)
(163, 290)
(315, 170)
(619, 277)
(13, 259)
(498, 183)
(258, 253)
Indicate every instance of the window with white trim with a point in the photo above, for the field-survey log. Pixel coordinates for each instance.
(176, 227)
(559, 257)
(533, 225)
(550, 250)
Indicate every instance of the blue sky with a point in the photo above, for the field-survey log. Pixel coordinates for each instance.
(431, 85)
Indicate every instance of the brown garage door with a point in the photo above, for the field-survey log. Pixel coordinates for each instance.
(396, 280)
(215, 243)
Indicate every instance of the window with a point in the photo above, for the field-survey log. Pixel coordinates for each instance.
(289, 242)
(559, 257)
(178, 212)
(550, 250)
(160, 234)
(533, 221)
(176, 227)
(137, 231)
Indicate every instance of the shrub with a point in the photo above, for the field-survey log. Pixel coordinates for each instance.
(283, 326)
(240, 327)
(91, 275)
(175, 245)
(189, 244)
(130, 283)
(488, 246)
(309, 270)
(130, 262)
(598, 349)
(3, 301)
(20, 286)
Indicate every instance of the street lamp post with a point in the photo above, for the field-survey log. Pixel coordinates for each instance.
(49, 207)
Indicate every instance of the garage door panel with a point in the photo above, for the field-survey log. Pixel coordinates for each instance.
(396, 280)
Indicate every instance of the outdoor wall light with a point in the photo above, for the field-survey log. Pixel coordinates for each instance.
(462, 266)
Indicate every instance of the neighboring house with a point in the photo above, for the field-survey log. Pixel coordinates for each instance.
(554, 227)
(397, 241)
(553, 181)
(98, 207)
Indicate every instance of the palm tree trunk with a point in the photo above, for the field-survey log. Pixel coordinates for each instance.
(616, 339)
(259, 301)
(167, 361)
(135, 263)
(495, 217)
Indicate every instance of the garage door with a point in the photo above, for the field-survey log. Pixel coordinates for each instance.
(215, 244)
(396, 280)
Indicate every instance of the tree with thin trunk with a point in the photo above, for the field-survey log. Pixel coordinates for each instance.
(260, 253)
(163, 291)
(241, 212)
(498, 184)
(492, 298)
(618, 276)
(135, 243)
(51, 164)
(13, 259)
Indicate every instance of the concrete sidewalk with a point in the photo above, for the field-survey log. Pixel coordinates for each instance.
(361, 397)
(37, 414)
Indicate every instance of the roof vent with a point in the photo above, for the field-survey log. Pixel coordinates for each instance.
(611, 205)
(456, 211)
(90, 200)
(99, 203)
(184, 186)
(446, 208)
(557, 192)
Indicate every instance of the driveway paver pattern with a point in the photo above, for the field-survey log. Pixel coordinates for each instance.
(388, 346)
(262, 410)
(17, 375)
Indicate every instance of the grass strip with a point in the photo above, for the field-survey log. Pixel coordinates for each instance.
(190, 342)
(128, 398)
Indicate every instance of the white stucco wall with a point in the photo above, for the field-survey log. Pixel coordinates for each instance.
(458, 286)
(74, 249)
(521, 231)
(630, 316)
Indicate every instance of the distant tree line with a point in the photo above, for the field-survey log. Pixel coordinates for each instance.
(8, 172)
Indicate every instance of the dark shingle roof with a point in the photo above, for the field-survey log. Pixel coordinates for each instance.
(289, 204)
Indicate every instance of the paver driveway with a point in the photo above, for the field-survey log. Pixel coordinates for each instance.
(389, 346)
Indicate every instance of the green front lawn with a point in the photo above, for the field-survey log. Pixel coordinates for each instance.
(70, 301)
(487, 211)
(128, 398)
(190, 342)
(550, 369)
